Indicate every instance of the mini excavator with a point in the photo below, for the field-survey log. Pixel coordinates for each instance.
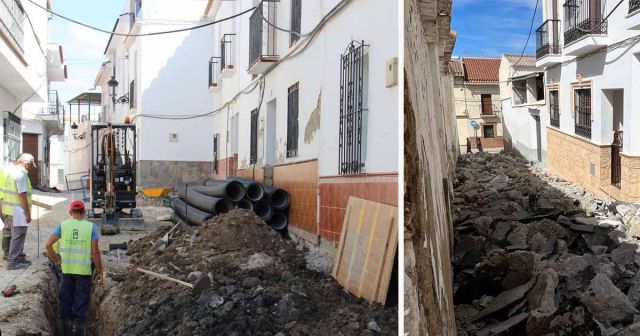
(113, 177)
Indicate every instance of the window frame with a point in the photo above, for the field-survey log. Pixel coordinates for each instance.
(253, 138)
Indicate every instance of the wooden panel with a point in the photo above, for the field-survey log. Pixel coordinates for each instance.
(30, 145)
(368, 244)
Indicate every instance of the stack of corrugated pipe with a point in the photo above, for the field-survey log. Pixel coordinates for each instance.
(197, 204)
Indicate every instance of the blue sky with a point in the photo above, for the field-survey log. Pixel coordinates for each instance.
(494, 27)
(83, 48)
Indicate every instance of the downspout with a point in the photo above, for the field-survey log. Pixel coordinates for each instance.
(226, 145)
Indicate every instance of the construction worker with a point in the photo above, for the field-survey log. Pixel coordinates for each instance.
(16, 208)
(78, 247)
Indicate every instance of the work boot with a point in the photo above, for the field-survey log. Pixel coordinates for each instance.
(78, 327)
(67, 327)
(16, 266)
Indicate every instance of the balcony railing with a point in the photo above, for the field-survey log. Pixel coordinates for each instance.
(53, 106)
(634, 5)
(12, 22)
(547, 39)
(226, 52)
(262, 36)
(582, 18)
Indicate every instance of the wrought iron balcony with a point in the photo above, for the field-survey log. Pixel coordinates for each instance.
(262, 38)
(547, 41)
(634, 5)
(53, 105)
(226, 52)
(582, 18)
(12, 22)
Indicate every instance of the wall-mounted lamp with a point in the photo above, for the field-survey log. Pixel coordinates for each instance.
(74, 132)
(113, 84)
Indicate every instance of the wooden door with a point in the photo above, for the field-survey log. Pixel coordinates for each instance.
(30, 145)
(487, 104)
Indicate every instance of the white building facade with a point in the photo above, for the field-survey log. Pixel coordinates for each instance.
(28, 64)
(159, 83)
(524, 111)
(314, 114)
(592, 69)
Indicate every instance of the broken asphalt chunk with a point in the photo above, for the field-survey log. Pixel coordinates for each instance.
(505, 299)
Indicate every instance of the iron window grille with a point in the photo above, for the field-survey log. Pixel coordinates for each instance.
(554, 109)
(583, 17)
(226, 52)
(12, 135)
(547, 42)
(262, 36)
(292, 121)
(215, 153)
(213, 72)
(296, 21)
(132, 94)
(634, 5)
(582, 101)
(253, 155)
(12, 22)
(352, 71)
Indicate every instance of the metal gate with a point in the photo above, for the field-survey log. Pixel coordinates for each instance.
(616, 165)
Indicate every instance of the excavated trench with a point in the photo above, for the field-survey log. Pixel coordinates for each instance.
(260, 286)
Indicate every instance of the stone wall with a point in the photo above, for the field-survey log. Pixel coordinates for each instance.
(170, 174)
(431, 148)
(579, 160)
(630, 184)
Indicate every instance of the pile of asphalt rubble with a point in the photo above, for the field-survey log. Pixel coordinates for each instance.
(260, 285)
(536, 255)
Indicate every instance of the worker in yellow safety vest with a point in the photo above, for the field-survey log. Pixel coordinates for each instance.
(16, 208)
(78, 247)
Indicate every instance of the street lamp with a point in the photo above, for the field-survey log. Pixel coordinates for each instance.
(113, 84)
(74, 131)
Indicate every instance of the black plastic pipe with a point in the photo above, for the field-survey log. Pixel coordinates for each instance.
(255, 191)
(206, 203)
(192, 215)
(263, 210)
(231, 190)
(279, 221)
(245, 204)
(278, 198)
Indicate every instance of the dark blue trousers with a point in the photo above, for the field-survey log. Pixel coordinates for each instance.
(74, 296)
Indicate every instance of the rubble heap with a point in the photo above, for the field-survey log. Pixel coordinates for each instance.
(536, 255)
(260, 286)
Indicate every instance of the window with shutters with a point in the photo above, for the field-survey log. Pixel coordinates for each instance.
(296, 21)
(253, 158)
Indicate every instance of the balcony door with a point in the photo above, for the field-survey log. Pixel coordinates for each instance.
(487, 104)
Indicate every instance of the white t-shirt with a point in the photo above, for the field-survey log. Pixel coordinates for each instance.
(21, 175)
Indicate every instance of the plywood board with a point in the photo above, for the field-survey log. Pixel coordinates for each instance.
(367, 249)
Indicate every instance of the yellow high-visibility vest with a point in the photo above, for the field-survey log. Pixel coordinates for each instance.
(75, 246)
(10, 190)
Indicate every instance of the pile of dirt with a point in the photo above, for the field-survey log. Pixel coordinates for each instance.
(260, 286)
(535, 255)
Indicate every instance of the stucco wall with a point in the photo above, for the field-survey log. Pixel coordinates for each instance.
(519, 121)
(430, 148)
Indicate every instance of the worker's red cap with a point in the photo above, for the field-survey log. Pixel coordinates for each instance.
(76, 205)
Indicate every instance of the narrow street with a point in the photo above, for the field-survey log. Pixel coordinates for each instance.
(34, 310)
(536, 255)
